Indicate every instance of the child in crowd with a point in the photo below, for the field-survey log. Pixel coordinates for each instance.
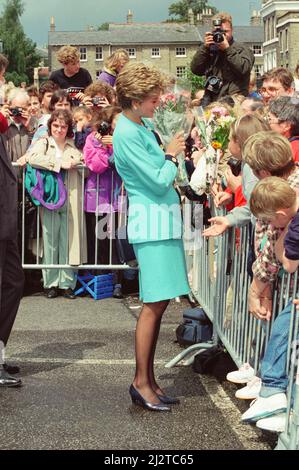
(102, 191)
(276, 202)
(113, 65)
(98, 95)
(83, 127)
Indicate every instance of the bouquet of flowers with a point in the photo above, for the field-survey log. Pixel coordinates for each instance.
(214, 128)
(172, 116)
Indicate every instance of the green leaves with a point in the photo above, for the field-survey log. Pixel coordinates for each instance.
(18, 48)
(180, 9)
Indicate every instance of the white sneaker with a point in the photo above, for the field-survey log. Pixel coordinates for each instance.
(275, 423)
(264, 407)
(242, 375)
(251, 391)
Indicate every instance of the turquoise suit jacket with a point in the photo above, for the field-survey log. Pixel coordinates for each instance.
(154, 206)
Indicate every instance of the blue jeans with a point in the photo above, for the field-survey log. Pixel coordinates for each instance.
(273, 368)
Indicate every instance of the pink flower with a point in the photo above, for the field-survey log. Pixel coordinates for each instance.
(168, 98)
(220, 111)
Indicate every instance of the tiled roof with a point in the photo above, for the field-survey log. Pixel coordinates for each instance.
(118, 34)
(250, 34)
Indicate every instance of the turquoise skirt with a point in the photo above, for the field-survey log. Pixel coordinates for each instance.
(162, 270)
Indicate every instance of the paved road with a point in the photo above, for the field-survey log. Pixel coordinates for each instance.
(77, 363)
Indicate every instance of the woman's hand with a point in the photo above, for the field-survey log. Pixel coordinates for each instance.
(176, 145)
(196, 156)
(107, 140)
(87, 101)
(233, 182)
(219, 225)
(222, 198)
(5, 111)
(296, 302)
(22, 161)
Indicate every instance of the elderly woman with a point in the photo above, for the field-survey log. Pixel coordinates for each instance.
(63, 229)
(155, 226)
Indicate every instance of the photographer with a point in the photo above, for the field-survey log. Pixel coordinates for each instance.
(225, 63)
(18, 136)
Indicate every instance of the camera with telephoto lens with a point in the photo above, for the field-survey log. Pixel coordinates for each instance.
(104, 128)
(235, 165)
(16, 112)
(218, 32)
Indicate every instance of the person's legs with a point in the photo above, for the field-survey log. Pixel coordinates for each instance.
(50, 224)
(11, 286)
(273, 368)
(147, 332)
(67, 277)
(153, 382)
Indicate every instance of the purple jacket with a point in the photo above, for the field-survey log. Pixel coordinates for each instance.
(100, 193)
(107, 77)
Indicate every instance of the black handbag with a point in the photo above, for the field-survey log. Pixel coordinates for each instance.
(124, 249)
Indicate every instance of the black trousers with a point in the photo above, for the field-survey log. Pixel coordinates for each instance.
(11, 286)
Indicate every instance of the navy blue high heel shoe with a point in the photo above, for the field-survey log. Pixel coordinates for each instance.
(168, 400)
(139, 400)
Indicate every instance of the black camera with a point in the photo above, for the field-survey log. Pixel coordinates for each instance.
(213, 84)
(97, 100)
(16, 112)
(235, 165)
(218, 32)
(104, 128)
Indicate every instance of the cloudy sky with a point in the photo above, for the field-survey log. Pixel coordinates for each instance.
(72, 15)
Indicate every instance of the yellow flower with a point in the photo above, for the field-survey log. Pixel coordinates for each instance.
(216, 145)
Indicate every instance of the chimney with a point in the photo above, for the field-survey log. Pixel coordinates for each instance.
(206, 16)
(52, 24)
(191, 17)
(129, 17)
(255, 19)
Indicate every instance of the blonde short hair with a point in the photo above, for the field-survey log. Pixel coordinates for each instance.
(67, 55)
(224, 17)
(269, 151)
(270, 195)
(114, 60)
(138, 81)
(246, 126)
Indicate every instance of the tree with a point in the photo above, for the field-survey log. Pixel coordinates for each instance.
(19, 49)
(180, 9)
(103, 27)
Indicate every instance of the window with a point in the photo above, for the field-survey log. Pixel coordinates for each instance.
(83, 54)
(258, 70)
(180, 52)
(98, 73)
(132, 52)
(281, 42)
(99, 53)
(156, 52)
(181, 72)
(257, 49)
(286, 40)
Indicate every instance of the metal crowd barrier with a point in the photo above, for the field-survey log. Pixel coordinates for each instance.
(34, 246)
(220, 282)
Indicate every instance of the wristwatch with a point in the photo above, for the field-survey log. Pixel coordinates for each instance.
(172, 159)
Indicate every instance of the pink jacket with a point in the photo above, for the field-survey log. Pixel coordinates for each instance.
(99, 192)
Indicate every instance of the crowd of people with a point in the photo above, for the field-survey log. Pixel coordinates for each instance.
(107, 126)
